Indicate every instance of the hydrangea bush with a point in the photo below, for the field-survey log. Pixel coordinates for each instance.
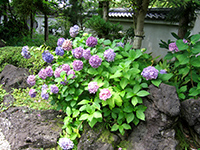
(96, 80)
(182, 61)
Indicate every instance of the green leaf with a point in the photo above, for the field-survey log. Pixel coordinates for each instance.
(92, 122)
(84, 117)
(134, 101)
(111, 102)
(83, 102)
(63, 74)
(128, 109)
(115, 127)
(194, 92)
(195, 38)
(130, 94)
(107, 42)
(196, 48)
(195, 61)
(69, 130)
(92, 71)
(165, 77)
(117, 99)
(58, 80)
(123, 83)
(126, 126)
(169, 56)
(140, 115)
(75, 113)
(130, 117)
(183, 88)
(116, 75)
(68, 98)
(181, 45)
(136, 88)
(121, 130)
(127, 47)
(142, 93)
(183, 59)
(156, 82)
(97, 114)
(68, 111)
(132, 54)
(136, 121)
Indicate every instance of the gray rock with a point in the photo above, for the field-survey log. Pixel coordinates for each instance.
(13, 77)
(190, 112)
(97, 138)
(31, 129)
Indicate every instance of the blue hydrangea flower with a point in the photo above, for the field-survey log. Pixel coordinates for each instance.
(25, 53)
(32, 93)
(59, 51)
(47, 56)
(120, 44)
(74, 31)
(91, 41)
(163, 71)
(77, 65)
(45, 95)
(60, 41)
(150, 73)
(65, 143)
(54, 89)
(95, 61)
(109, 55)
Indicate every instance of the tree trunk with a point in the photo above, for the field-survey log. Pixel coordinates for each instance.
(31, 24)
(104, 9)
(46, 27)
(139, 30)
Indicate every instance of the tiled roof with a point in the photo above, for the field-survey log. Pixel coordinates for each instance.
(153, 13)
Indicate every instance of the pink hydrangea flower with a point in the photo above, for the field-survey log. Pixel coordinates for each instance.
(77, 65)
(105, 94)
(49, 71)
(42, 74)
(93, 87)
(173, 47)
(66, 67)
(57, 72)
(67, 45)
(31, 80)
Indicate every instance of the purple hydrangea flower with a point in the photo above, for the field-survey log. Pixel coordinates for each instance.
(44, 87)
(25, 53)
(74, 31)
(63, 83)
(65, 67)
(32, 93)
(71, 72)
(109, 55)
(173, 47)
(163, 71)
(77, 65)
(120, 44)
(95, 61)
(45, 95)
(54, 89)
(78, 52)
(150, 73)
(67, 45)
(93, 87)
(59, 51)
(60, 41)
(86, 54)
(105, 94)
(65, 143)
(49, 71)
(42, 74)
(91, 41)
(185, 41)
(47, 56)
(57, 72)
(31, 80)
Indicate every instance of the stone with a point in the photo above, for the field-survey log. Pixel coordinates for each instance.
(190, 112)
(97, 138)
(162, 113)
(8, 100)
(25, 128)
(13, 77)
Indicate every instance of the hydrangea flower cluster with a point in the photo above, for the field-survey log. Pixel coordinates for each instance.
(105, 94)
(57, 72)
(91, 41)
(109, 55)
(74, 31)
(77, 65)
(67, 45)
(25, 52)
(49, 71)
(42, 74)
(47, 56)
(59, 51)
(66, 68)
(163, 71)
(44, 93)
(31, 80)
(32, 93)
(78, 52)
(86, 54)
(95, 61)
(71, 72)
(93, 87)
(65, 143)
(60, 41)
(54, 89)
(173, 47)
(150, 73)
(120, 44)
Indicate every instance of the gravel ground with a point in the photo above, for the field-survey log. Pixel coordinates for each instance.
(4, 145)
